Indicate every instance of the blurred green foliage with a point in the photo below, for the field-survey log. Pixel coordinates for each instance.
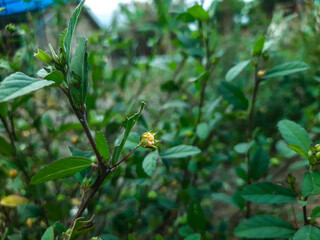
(205, 74)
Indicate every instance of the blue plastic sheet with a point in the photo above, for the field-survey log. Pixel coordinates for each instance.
(20, 6)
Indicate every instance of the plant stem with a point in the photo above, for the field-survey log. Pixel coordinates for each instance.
(257, 81)
(12, 142)
(82, 119)
(305, 218)
(116, 165)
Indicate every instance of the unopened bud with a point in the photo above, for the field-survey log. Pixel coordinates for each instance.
(13, 173)
(147, 140)
(261, 73)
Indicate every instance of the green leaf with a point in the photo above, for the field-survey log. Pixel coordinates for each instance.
(5, 148)
(264, 226)
(62, 168)
(195, 216)
(258, 46)
(102, 145)
(286, 69)
(202, 130)
(159, 237)
(180, 151)
(268, 193)
(29, 210)
(233, 95)
(195, 236)
(203, 77)
(55, 76)
(236, 70)
(48, 234)
(198, 12)
(129, 123)
(307, 233)
(70, 30)
(185, 231)
(225, 198)
(44, 57)
(315, 213)
(298, 150)
(294, 134)
(79, 66)
(185, 17)
(244, 147)
(150, 162)
(258, 164)
(2, 9)
(311, 183)
(19, 84)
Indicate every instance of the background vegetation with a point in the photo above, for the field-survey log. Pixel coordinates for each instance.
(218, 84)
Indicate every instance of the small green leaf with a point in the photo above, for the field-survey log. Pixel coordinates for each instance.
(180, 151)
(202, 130)
(67, 37)
(236, 70)
(201, 78)
(150, 162)
(311, 183)
(102, 145)
(195, 216)
(294, 134)
(62, 168)
(315, 213)
(19, 84)
(55, 76)
(5, 148)
(48, 234)
(195, 236)
(159, 237)
(244, 147)
(298, 150)
(198, 12)
(2, 9)
(185, 17)
(44, 57)
(129, 123)
(268, 193)
(185, 231)
(258, 164)
(286, 69)
(79, 66)
(307, 233)
(264, 226)
(258, 46)
(233, 95)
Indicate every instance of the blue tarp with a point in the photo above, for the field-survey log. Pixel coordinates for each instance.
(20, 6)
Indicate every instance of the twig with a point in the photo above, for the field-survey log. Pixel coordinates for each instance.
(116, 165)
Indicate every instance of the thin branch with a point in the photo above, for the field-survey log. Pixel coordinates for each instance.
(116, 165)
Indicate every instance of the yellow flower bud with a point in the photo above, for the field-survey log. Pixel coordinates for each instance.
(74, 139)
(261, 73)
(147, 140)
(29, 222)
(13, 173)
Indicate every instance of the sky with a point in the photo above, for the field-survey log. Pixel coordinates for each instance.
(103, 9)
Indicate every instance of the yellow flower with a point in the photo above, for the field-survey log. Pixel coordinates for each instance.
(147, 140)
(13, 173)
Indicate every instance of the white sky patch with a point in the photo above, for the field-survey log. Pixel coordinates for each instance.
(104, 9)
